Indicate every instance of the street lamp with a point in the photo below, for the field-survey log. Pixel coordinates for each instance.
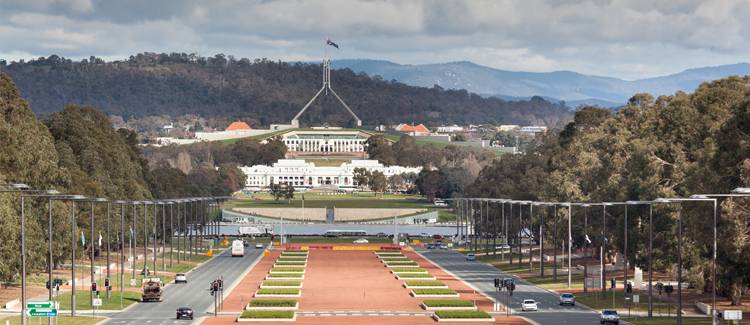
(93, 201)
(541, 236)
(737, 192)
(121, 242)
(679, 247)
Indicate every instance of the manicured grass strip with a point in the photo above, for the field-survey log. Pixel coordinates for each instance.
(415, 275)
(292, 258)
(288, 269)
(295, 251)
(279, 291)
(394, 258)
(448, 303)
(293, 254)
(401, 263)
(268, 314)
(388, 252)
(433, 291)
(290, 262)
(287, 283)
(272, 303)
(462, 314)
(423, 283)
(408, 269)
(285, 275)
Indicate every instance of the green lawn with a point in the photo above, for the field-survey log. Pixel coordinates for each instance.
(61, 320)
(448, 303)
(267, 314)
(601, 300)
(668, 321)
(83, 301)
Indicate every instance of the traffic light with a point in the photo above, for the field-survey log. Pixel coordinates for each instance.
(48, 285)
(629, 288)
(106, 283)
(612, 283)
(497, 283)
(512, 288)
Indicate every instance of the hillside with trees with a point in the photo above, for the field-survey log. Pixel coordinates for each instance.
(670, 146)
(261, 91)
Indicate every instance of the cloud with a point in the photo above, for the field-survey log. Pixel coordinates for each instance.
(623, 38)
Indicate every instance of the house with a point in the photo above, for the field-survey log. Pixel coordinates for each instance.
(237, 125)
(413, 130)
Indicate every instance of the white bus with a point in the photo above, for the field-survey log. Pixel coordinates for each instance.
(238, 248)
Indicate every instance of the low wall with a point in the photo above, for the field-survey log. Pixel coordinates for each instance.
(319, 214)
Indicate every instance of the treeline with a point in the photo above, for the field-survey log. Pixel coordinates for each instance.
(446, 171)
(670, 146)
(75, 151)
(261, 91)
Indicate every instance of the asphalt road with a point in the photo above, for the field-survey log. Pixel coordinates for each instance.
(194, 294)
(481, 276)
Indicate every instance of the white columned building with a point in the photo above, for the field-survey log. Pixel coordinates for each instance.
(302, 174)
(325, 142)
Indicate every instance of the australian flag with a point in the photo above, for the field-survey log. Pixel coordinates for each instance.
(331, 43)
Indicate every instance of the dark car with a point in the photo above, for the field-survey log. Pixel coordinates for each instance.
(184, 312)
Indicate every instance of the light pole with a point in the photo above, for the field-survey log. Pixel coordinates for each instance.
(650, 251)
(737, 192)
(541, 236)
(121, 241)
(171, 231)
(134, 240)
(145, 237)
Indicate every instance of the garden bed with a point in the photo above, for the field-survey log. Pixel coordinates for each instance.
(282, 284)
(292, 258)
(401, 263)
(278, 292)
(272, 304)
(400, 266)
(287, 270)
(417, 276)
(462, 316)
(267, 316)
(424, 284)
(395, 270)
(294, 264)
(434, 293)
(448, 305)
(285, 276)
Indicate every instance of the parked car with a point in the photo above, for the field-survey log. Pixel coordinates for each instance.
(258, 245)
(180, 278)
(184, 312)
(471, 257)
(529, 304)
(245, 243)
(382, 234)
(361, 241)
(443, 246)
(567, 299)
(609, 316)
(437, 237)
(429, 246)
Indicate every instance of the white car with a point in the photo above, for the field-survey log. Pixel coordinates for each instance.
(180, 278)
(529, 304)
(361, 241)
(258, 245)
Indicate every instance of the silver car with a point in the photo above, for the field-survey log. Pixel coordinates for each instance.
(567, 299)
(609, 316)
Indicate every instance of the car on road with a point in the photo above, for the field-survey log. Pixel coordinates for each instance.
(180, 278)
(184, 313)
(245, 243)
(529, 304)
(567, 299)
(430, 246)
(471, 257)
(382, 234)
(258, 245)
(361, 241)
(238, 249)
(609, 316)
(443, 246)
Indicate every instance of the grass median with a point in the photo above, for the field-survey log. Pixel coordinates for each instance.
(448, 303)
(278, 291)
(288, 269)
(273, 303)
(83, 300)
(418, 283)
(415, 275)
(59, 320)
(462, 314)
(441, 292)
(282, 283)
(267, 314)
(284, 275)
(408, 270)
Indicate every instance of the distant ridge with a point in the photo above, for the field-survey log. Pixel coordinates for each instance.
(572, 87)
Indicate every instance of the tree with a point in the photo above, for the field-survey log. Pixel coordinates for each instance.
(379, 148)
(361, 177)
(289, 193)
(277, 191)
(396, 183)
(428, 183)
(378, 182)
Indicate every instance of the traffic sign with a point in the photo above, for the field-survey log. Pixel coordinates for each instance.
(39, 304)
(636, 299)
(733, 315)
(41, 312)
(97, 302)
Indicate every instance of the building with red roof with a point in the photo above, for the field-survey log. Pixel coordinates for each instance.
(237, 125)
(415, 130)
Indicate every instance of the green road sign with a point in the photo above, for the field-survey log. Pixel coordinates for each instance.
(41, 312)
(39, 304)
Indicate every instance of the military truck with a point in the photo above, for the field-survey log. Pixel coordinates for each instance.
(151, 289)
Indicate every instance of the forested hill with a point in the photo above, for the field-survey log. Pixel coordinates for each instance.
(260, 91)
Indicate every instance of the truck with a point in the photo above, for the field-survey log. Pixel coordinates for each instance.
(152, 289)
(238, 248)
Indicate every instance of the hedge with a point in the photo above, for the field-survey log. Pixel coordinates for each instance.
(448, 303)
(282, 283)
(408, 269)
(288, 269)
(278, 291)
(284, 275)
(272, 303)
(450, 314)
(415, 275)
(423, 283)
(433, 291)
(268, 314)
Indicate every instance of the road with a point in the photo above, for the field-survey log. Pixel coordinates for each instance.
(194, 294)
(481, 276)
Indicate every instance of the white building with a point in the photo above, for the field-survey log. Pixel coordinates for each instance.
(450, 129)
(325, 141)
(302, 174)
(534, 129)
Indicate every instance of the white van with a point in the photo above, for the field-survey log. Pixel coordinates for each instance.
(238, 248)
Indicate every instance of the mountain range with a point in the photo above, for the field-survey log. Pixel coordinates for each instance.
(572, 87)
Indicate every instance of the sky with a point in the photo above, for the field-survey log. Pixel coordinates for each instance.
(628, 39)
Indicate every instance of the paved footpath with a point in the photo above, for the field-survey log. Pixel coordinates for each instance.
(481, 276)
(194, 294)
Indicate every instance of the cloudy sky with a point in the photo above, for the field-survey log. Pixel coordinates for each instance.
(620, 38)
